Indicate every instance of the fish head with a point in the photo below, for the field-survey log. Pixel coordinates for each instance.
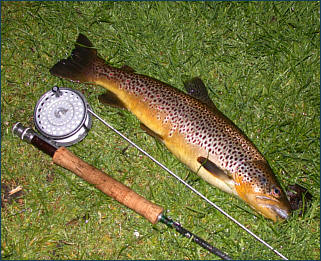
(257, 185)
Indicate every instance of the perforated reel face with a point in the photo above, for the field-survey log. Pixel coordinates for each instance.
(61, 115)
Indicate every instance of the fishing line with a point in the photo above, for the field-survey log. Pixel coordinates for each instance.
(187, 185)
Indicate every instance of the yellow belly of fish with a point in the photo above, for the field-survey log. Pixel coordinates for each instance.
(188, 155)
(176, 143)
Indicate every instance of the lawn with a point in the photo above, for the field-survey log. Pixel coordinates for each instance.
(261, 64)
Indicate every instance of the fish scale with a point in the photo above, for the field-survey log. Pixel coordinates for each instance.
(193, 129)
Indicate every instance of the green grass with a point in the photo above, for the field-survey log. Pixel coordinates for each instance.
(261, 63)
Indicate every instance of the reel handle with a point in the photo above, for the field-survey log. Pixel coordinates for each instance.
(108, 185)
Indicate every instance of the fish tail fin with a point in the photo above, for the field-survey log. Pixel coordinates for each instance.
(78, 67)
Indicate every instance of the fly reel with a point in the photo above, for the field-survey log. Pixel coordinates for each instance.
(61, 115)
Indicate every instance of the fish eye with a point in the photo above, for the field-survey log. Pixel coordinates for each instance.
(276, 192)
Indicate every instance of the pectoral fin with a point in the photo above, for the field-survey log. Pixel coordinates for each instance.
(196, 88)
(110, 99)
(215, 170)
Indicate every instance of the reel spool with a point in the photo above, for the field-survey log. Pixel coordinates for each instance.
(61, 115)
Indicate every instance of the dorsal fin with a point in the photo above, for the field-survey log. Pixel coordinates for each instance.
(196, 88)
(214, 170)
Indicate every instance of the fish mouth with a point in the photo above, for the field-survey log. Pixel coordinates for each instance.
(280, 212)
(273, 208)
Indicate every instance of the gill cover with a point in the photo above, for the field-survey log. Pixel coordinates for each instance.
(256, 185)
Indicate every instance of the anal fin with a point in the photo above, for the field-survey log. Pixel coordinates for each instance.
(215, 170)
(110, 99)
(150, 132)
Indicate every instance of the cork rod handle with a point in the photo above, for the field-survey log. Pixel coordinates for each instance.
(107, 185)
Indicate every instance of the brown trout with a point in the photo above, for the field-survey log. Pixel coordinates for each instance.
(190, 126)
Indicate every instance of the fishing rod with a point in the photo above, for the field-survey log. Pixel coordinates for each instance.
(64, 116)
(189, 186)
(109, 186)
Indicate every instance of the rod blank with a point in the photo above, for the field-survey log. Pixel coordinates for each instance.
(190, 187)
(169, 222)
